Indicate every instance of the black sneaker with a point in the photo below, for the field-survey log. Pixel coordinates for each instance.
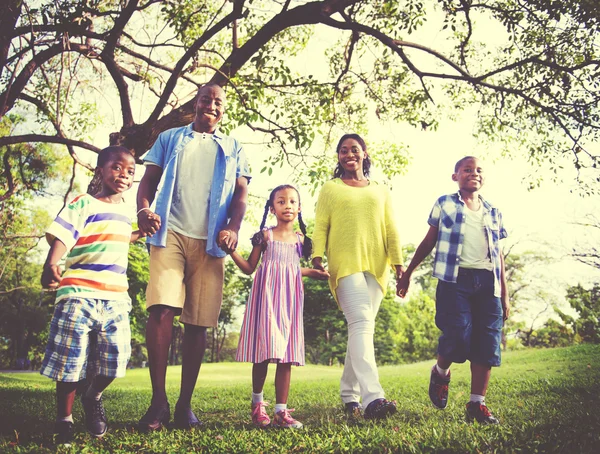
(438, 389)
(155, 418)
(479, 412)
(63, 432)
(352, 409)
(95, 418)
(184, 418)
(380, 409)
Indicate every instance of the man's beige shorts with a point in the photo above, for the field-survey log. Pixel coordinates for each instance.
(184, 276)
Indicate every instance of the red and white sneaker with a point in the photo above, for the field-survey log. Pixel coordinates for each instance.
(259, 415)
(284, 420)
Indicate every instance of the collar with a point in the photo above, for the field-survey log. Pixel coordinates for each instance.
(486, 205)
(189, 130)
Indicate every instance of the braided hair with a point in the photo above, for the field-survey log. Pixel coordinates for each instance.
(258, 239)
(104, 156)
(339, 171)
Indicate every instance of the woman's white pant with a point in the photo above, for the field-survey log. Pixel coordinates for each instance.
(359, 296)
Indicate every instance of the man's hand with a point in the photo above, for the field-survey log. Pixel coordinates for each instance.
(227, 240)
(148, 222)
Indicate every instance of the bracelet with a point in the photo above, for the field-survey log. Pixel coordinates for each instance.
(143, 210)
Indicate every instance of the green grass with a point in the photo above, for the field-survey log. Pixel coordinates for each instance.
(546, 400)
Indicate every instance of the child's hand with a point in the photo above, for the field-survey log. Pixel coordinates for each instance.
(402, 285)
(505, 307)
(148, 222)
(227, 240)
(313, 273)
(51, 276)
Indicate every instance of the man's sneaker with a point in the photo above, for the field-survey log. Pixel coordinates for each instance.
(479, 412)
(284, 420)
(352, 409)
(95, 418)
(380, 409)
(259, 415)
(63, 432)
(184, 418)
(438, 388)
(155, 418)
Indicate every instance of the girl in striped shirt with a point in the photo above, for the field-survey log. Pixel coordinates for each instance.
(91, 295)
(272, 330)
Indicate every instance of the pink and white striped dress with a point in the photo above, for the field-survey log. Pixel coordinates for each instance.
(273, 328)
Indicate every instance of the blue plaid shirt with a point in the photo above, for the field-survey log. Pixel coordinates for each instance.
(448, 216)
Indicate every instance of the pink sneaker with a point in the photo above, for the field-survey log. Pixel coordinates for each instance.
(259, 415)
(284, 420)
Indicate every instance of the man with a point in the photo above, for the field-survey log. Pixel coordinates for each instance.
(200, 204)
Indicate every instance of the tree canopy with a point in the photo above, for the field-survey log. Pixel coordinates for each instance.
(529, 67)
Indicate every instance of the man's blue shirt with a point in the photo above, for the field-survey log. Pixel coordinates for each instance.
(230, 164)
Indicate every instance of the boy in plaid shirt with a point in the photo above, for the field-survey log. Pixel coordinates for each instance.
(471, 297)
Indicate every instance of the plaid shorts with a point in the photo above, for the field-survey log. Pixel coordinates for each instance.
(69, 339)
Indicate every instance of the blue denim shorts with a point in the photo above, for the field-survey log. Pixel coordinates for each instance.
(470, 318)
(68, 341)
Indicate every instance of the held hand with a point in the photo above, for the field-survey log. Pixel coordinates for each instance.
(317, 264)
(321, 275)
(402, 285)
(227, 240)
(148, 222)
(51, 276)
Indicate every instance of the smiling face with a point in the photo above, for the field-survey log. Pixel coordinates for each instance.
(469, 175)
(351, 156)
(286, 204)
(210, 104)
(117, 173)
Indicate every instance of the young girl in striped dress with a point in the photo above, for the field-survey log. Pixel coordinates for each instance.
(272, 330)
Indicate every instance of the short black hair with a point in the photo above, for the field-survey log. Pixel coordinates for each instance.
(461, 161)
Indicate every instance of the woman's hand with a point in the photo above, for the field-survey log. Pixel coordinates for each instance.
(313, 273)
(317, 263)
(402, 284)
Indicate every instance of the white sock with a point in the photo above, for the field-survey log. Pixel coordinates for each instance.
(477, 398)
(93, 394)
(280, 407)
(442, 372)
(256, 398)
(65, 418)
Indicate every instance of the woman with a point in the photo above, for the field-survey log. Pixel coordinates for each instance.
(355, 227)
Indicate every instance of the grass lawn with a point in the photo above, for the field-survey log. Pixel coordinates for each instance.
(546, 400)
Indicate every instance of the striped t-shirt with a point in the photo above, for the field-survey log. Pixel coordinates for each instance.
(97, 236)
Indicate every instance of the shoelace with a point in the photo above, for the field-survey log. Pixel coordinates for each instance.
(98, 410)
(259, 411)
(442, 391)
(287, 418)
(485, 410)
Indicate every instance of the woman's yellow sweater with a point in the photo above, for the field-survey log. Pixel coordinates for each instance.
(355, 228)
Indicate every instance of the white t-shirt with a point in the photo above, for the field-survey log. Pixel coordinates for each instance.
(195, 168)
(475, 251)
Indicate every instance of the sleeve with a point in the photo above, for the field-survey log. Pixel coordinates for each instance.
(157, 153)
(394, 246)
(322, 221)
(503, 232)
(434, 216)
(243, 168)
(69, 224)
